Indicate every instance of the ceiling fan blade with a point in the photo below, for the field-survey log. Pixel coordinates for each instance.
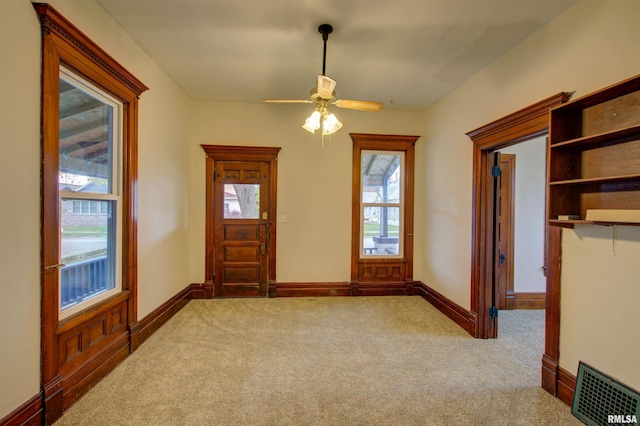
(325, 87)
(287, 101)
(359, 105)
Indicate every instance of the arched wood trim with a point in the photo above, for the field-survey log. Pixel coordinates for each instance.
(524, 124)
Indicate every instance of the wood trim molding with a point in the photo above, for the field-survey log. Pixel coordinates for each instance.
(558, 381)
(510, 300)
(30, 413)
(62, 382)
(566, 386)
(513, 128)
(317, 289)
(237, 153)
(530, 300)
(375, 275)
(465, 319)
(143, 329)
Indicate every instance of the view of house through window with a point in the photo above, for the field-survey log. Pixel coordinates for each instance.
(89, 188)
(242, 201)
(381, 203)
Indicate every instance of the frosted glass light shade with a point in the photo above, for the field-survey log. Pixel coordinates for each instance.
(312, 123)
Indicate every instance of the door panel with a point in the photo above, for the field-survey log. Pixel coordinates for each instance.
(241, 210)
(505, 216)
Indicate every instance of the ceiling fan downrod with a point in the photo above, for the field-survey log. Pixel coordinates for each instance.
(325, 30)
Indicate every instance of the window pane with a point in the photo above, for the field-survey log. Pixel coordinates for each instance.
(380, 177)
(88, 252)
(381, 226)
(86, 140)
(242, 201)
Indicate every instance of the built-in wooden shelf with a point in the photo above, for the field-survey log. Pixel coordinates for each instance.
(623, 135)
(571, 223)
(594, 155)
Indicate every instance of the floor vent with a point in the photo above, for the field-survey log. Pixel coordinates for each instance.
(601, 401)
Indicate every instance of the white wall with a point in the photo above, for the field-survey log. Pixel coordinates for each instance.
(314, 182)
(589, 46)
(163, 184)
(528, 275)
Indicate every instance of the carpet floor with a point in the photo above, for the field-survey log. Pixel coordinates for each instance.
(326, 361)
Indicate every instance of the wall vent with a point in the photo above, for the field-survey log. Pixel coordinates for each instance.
(598, 397)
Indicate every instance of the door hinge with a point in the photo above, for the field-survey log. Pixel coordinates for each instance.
(493, 312)
(495, 171)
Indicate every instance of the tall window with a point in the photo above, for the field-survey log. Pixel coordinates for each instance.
(89, 175)
(382, 203)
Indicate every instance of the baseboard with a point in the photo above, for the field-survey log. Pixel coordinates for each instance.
(141, 330)
(530, 300)
(510, 300)
(29, 413)
(455, 312)
(319, 289)
(566, 386)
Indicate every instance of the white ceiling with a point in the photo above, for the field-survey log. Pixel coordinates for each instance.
(404, 53)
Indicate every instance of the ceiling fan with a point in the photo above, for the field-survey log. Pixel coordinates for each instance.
(324, 95)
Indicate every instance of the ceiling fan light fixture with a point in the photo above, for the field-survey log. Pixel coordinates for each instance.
(312, 123)
(330, 124)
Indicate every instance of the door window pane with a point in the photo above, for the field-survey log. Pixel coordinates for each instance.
(242, 201)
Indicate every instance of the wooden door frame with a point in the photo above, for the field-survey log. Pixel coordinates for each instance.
(237, 153)
(519, 126)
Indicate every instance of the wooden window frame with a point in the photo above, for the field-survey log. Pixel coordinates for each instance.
(376, 275)
(64, 382)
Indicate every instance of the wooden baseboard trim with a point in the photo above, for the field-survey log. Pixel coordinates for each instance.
(550, 375)
(530, 300)
(319, 289)
(509, 300)
(141, 330)
(566, 386)
(462, 317)
(30, 413)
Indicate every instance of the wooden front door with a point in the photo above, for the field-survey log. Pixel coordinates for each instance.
(241, 221)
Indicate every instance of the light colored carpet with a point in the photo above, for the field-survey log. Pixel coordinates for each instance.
(326, 361)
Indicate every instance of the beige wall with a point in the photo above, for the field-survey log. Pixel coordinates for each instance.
(314, 182)
(163, 219)
(591, 45)
(20, 189)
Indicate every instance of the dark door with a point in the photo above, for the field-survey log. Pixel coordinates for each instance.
(241, 217)
(504, 231)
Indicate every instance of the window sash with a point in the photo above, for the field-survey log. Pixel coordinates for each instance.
(94, 272)
(366, 249)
